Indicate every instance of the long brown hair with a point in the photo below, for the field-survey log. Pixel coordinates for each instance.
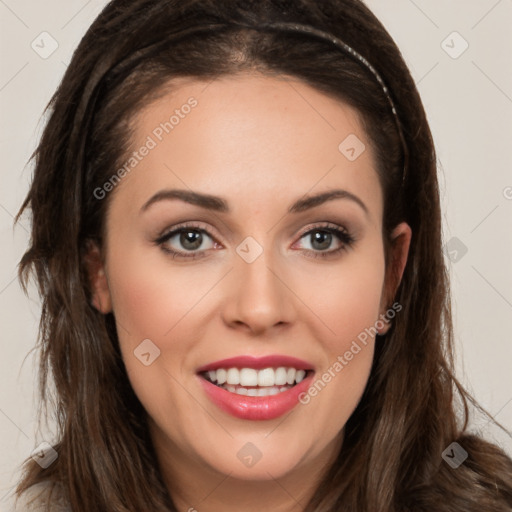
(413, 407)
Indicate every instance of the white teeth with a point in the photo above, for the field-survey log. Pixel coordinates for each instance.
(281, 376)
(249, 377)
(221, 376)
(263, 391)
(233, 376)
(271, 391)
(290, 376)
(266, 377)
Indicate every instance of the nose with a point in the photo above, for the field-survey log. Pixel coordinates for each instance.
(259, 298)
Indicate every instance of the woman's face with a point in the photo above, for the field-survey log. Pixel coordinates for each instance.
(258, 272)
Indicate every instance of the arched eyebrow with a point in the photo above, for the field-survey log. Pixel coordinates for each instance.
(218, 204)
(305, 203)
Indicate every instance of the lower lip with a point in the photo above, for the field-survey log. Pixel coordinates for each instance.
(256, 408)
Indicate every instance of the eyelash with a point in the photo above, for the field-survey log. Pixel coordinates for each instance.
(346, 239)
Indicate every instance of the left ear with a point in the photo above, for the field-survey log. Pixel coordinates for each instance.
(400, 241)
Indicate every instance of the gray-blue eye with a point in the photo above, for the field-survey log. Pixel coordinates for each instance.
(185, 240)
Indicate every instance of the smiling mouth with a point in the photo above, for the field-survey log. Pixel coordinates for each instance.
(252, 382)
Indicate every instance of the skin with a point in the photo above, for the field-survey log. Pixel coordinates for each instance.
(260, 143)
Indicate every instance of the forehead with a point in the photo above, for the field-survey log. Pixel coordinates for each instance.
(257, 136)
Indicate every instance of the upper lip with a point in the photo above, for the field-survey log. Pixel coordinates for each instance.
(258, 363)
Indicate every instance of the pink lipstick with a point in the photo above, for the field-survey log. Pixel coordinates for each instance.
(256, 388)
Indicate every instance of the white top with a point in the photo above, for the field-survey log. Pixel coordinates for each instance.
(34, 498)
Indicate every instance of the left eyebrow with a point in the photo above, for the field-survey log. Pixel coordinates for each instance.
(318, 199)
(219, 204)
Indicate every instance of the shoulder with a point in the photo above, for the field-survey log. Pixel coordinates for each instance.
(36, 497)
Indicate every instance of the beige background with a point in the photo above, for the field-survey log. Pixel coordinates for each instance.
(469, 103)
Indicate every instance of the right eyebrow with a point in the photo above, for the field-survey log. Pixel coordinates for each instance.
(203, 200)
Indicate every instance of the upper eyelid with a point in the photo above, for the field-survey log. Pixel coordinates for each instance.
(322, 225)
(195, 225)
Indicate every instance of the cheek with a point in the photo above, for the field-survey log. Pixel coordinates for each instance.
(151, 295)
(347, 301)
(347, 297)
(155, 299)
